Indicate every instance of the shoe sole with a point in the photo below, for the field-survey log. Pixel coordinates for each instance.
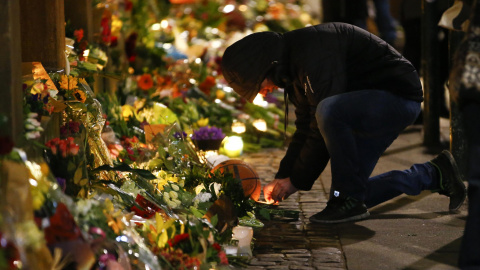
(451, 159)
(354, 218)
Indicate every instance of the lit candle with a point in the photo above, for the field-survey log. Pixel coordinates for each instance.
(233, 146)
(260, 125)
(238, 127)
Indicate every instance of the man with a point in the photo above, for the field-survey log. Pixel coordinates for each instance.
(353, 94)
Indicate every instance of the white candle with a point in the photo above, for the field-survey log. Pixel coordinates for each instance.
(244, 236)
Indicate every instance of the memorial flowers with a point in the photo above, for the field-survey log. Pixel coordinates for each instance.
(66, 161)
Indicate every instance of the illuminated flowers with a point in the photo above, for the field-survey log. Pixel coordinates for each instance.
(80, 95)
(145, 82)
(63, 147)
(68, 82)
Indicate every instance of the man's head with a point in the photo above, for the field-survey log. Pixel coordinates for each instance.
(246, 63)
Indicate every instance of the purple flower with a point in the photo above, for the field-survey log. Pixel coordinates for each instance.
(180, 135)
(208, 133)
(62, 183)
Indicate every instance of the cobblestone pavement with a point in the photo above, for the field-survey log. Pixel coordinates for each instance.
(298, 244)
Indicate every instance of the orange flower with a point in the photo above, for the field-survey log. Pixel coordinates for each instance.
(207, 84)
(68, 82)
(80, 95)
(145, 82)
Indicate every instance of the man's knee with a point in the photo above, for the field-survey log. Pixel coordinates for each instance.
(325, 112)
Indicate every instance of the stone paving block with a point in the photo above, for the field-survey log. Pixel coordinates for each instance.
(261, 263)
(278, 267)
(297, 251)
(295, 267)
(297, 263)
(298, 255)
(272, 255)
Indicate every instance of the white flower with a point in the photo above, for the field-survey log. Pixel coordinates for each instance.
(171, 204)
(53, 93)
(166, 196)
(203, 197)
(32, 135)
(199, 189)
(217, 187)
(175, 187)
(173, 195)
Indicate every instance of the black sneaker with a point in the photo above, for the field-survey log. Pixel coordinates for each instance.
(451, 183)
(341, 210)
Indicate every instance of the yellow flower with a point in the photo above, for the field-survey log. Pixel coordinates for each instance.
(80, 95)
(82, 81)
(202, 122)
(68, 82)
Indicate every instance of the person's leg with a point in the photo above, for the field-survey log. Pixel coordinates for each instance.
(385, 22)
(357, 127)
(470, 247)
(389, 185)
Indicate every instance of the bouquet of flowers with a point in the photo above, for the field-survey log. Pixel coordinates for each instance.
(208, 138)
(68, 165)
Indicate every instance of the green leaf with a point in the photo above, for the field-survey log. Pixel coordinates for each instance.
(214, 220)
(197, 213)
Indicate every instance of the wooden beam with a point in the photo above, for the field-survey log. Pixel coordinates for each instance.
(79, 13)
(10, 68)
(43, 32)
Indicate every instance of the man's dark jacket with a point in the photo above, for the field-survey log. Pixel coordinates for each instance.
(314, 63)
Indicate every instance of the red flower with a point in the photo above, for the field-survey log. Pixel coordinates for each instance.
(178, 238)
(78, 34)
(128, 5)
(149, 209)
(62, 226)
(6, 145)
(145, 82)
(207, 84)
(223, 257)
(106, 30)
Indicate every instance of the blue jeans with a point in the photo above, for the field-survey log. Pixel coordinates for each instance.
(385, 22)
(470, 247)
(357, 128)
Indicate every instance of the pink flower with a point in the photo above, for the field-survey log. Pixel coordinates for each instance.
(53, 148)
(74, 148)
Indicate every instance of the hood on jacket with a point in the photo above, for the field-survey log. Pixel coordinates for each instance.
(246, 63)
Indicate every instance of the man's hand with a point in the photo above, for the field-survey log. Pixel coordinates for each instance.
(278, 190)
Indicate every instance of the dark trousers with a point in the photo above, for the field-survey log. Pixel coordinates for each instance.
(470, 250)
(358, 127)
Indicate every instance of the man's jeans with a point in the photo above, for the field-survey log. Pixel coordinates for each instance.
(358, 127)
(469, 252)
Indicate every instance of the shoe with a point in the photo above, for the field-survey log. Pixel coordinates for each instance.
(341, 210)
(451, 183)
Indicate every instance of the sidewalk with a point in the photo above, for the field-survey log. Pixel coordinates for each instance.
(408, 232)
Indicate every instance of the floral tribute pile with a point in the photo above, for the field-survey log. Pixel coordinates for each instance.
(109, 173)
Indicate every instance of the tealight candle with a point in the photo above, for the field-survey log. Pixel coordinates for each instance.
(233, 146)
(244, 236)
(238, 127)
(260, 125)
